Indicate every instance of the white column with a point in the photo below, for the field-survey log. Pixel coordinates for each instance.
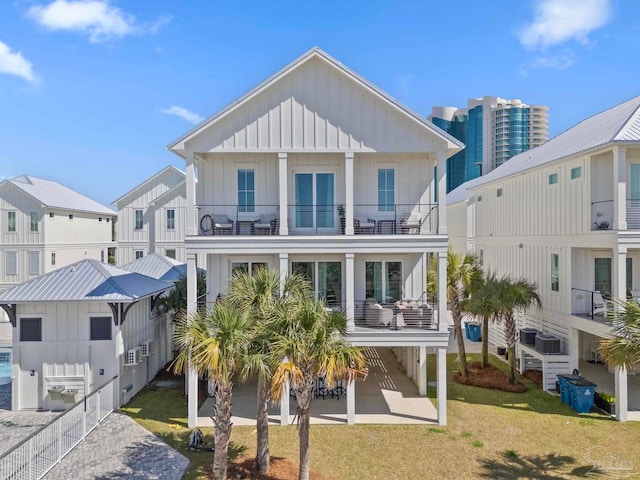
(574, 349)
(422, 371)
(348, 178)
(619, 268)
(284, 405)
(284, 196)
(442, 385)
(351, 403)
(192, 377)
(442, 292)
(619, 188)
(442, 193)
(191, 210)
(349, 294)
(284, 269)
(622, 399)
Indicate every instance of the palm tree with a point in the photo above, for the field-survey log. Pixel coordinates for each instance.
(259, 297)
(175, 302)
(623, 349)
(514, 297)
(463, 274)
(483, 304)
(215, 343)
(309, 343)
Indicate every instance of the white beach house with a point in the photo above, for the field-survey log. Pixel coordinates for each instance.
(317, 171)
(78, 327)
(565, 215)
(151, 217)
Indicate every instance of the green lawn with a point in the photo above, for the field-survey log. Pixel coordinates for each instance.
(490, 434)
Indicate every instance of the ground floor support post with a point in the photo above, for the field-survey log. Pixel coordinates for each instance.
(284, 405)
(574, 349)
(622, 398)
(351, 403)
(442, 385)
(422, 371)
(193, 397)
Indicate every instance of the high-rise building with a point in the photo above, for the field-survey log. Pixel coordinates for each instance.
(493, 130)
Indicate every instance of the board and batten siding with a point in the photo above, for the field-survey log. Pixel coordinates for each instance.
(83, 228)
(13, 199)
(315, 107)
(457, 227)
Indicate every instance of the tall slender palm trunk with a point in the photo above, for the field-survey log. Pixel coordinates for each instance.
(304, 397)
(510, 336)
(262, 451)
(223, 425)
(485, 341)
(457, 328)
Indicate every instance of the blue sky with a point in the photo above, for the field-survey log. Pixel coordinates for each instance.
(92, 91)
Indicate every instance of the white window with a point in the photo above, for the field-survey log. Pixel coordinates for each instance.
(246, 191)
(53, 259)
(246, 267)
(383, 281)
(34, 263)
(138, 219)
(139, 254)
(171, 253)
(553, 178)
(555, 272)
(576, 172)
(386, 190)
(171, 219)
(31, 329)
(11, 263)
(99, 328)
(11, 221)
(499, 192)
(33, 217)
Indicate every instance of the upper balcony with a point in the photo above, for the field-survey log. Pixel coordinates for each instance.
(318, 219)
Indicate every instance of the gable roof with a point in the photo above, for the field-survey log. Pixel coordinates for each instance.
(620, 123)
(158, 267)
(177, 146)
(54, 195)
(85, 281)
(160, 198)
(170, 168)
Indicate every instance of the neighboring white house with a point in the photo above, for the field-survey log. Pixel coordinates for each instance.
(79, 326)
(317, 171)
(151, 217)
(45, 225)
(565, 215)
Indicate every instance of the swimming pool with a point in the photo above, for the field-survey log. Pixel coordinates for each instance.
(5, 366)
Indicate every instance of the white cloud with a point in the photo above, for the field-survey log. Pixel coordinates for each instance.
(561, 61)
(97, 18)
(557, 21)
(13, 63)
(183, 113)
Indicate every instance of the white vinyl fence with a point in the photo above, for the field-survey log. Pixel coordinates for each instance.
(32, 458)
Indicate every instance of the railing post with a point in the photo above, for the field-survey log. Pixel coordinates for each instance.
(98, 416)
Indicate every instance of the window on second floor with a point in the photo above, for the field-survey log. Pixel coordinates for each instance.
(386, 190)
(555, 272)
(553, 178)
(34, 263)
(53, 259)
(11, 263)
(138, 219)
(139, 254)
(171, 219)
(33, 221)
(499, 192)
(170, 252)
(246, 191)
(11, 221)
(576, 172)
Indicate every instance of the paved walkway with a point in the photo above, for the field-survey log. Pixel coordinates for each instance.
(118, 448)
(121, 448)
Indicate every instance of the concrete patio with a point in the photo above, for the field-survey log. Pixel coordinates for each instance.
(387, 396)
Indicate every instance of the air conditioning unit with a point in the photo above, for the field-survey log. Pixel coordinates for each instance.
(146, 348)
(133, 357)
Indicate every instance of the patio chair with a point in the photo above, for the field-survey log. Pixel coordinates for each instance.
(262, 226)
(410, 224)
(376, 315)
(222, 225)
(367, 226)
(600, 305)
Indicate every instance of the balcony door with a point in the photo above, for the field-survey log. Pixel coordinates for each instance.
(603, 275)
(315, 210)
(325, 279)
(383, 281)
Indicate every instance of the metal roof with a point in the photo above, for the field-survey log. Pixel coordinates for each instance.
(85, 281)
(158, 267)
(54, 195)
(617, 124)
(177, 146)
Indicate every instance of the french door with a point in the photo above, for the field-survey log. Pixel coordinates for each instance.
(315, 202)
